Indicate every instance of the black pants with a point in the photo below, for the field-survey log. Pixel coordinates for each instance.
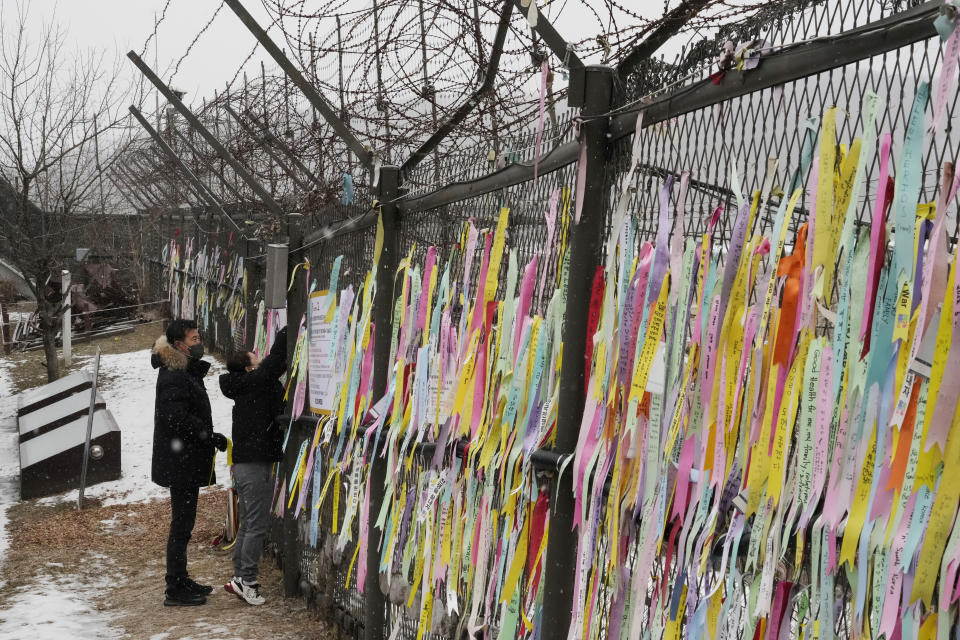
(183, 506)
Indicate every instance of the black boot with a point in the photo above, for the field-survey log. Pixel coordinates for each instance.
(178, 594)
(196, 587)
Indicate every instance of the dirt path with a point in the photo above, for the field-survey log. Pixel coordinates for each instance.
(112, 559)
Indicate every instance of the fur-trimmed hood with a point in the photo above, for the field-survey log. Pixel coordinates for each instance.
(182, 423)
(164, 355)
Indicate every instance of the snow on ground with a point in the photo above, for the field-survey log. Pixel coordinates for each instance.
(128, 383)
(54, 607)
(59, 606)
(205, 630)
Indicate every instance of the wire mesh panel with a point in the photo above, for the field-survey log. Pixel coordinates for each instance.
(744, 134)
(329, 567)
(326, 566)
(523, 230)
(356, 247)
(727, 152)
(403, 603)
(771, 28)
(538, 226)
(478, 160)
(203, 274)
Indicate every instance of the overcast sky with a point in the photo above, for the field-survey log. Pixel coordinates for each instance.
(118, 26)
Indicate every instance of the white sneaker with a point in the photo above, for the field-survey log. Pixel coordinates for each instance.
(251, 593)
(235, 586)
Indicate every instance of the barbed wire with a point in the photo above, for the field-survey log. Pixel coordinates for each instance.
(156, 25)
(200, 33)
(395, 70)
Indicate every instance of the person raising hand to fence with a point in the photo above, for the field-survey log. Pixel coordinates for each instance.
(255, 388)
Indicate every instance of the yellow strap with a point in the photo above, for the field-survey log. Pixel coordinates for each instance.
(353, 562)
(293, 274)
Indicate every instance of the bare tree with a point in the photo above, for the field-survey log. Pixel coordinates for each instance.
(60, 110)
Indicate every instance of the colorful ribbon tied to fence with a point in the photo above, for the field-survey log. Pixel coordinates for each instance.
(770, 433)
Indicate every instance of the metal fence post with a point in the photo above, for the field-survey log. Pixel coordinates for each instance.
(584, 258)
(296, 308)
(254, 269)
(86, 443)
(66, 332)
(389, 187)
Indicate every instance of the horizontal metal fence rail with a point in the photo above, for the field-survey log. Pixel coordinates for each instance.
(777, 68)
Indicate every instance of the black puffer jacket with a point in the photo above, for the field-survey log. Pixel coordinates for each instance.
(258, 400)
(182, 425)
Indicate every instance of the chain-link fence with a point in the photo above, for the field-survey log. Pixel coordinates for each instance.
(701, 126)
(205, 273)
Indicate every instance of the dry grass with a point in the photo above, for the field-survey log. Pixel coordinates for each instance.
(127, 544)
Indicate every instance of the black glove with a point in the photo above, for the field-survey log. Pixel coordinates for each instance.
(219, 441)
(281, 339)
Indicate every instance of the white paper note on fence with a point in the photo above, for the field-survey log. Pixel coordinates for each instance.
(322, 388)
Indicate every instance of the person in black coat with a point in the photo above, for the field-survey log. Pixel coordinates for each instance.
(257, 393)
(183, 447)
(255, 388)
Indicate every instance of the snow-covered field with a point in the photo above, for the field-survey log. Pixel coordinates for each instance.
(128, 384)
(59, 606)
(54, 607)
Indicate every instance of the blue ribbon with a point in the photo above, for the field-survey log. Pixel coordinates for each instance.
(347, 189)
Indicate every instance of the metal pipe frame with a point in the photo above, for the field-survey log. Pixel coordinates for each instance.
(156, 193)
(199, 187)
(272, 138)
(198, 190)
(170, 188)
(266, 147)
(232, 188)
(129, 193)
(134, 187)
(194, 122)
(585, 240)
(562, 49)
(156, 165)
(668, 27)
(389, 185)
(363, 154)
(296, 309)
(458, 116)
